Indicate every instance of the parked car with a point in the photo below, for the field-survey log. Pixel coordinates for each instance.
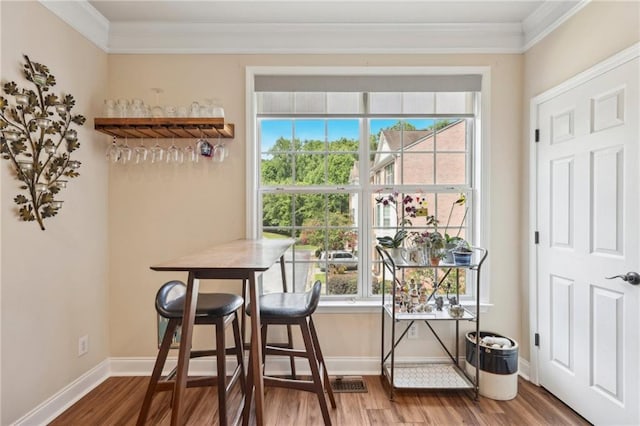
(338, 258)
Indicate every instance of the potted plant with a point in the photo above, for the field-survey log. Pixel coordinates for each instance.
(462, 253)
(437, 244)
(451, 242)
(393, 244)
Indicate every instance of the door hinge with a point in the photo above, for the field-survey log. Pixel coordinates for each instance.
(536, 339)
(537, 135)
(536, 237)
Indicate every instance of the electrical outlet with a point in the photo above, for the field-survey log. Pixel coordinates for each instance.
(83, 345)
(413, 331)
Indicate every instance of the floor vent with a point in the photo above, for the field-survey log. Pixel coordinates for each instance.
(348, 384)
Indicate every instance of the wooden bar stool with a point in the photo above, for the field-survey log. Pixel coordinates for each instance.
(296, 309)
(218, 309)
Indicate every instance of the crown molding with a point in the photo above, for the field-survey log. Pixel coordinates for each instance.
(240, 38)
(546, 18)
(314, 38)
(82, 17)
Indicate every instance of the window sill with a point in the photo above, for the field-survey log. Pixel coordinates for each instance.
(373, 306)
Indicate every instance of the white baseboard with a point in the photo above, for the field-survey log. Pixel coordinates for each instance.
(336, 366)
(523, 368)
(142, 366)
(65, 397)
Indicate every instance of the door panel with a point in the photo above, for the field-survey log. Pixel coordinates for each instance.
(606, 330)
(561, 202)
(588, 190)
(561, 314)
(606, 200)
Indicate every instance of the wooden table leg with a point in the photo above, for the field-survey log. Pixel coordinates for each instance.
(256, 350)
(190, 302)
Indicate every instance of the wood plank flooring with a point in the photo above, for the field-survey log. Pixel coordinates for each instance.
(117, 402)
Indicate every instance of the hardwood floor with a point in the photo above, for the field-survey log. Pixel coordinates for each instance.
(117, 402)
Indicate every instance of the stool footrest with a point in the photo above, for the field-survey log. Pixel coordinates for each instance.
(272, 350)
(304, 385)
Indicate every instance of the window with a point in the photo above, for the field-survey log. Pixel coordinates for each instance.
(389, 174)
(327, 160)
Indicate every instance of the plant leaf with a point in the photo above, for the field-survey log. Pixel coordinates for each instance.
(78, 119)
(26, 213)
(50, 100)
(20, 199)
(11, 88)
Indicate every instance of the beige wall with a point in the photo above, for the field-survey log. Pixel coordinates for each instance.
(54, 283)
(597, 32)
(156, 214)
(57, 284)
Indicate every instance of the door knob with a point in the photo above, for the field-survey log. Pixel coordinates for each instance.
(630, 277)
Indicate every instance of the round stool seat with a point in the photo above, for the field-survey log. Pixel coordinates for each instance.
(290, 305)
(170, 302)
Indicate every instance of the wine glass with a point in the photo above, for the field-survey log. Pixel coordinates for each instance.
(191, 155)
(140, 153)
(219, 151)
(113, 152)
(174, 154)
(157, 110)
(157, 153)
(125, 152)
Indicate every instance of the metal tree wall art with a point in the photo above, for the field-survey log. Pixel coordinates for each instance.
(38, 140)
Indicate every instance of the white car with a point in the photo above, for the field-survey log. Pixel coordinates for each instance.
(337, 258)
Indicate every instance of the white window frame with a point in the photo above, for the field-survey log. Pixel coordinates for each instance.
(481, 170)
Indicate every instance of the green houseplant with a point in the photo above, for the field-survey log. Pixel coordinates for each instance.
(396, 241)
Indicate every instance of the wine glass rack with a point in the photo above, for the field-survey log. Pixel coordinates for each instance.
(165, 127)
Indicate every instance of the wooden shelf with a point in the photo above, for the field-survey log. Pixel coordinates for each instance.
(165, 127)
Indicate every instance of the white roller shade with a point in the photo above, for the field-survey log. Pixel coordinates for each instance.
(368, 83)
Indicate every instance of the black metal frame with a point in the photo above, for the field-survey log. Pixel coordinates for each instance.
(393, 267)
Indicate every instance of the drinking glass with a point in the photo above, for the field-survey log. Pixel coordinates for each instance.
(157, 153)
(122, 108)
(219, 152)
(157, 110)
(191, 155)
(140, 153)
(113, 152)
(125, 152)
(174, 154)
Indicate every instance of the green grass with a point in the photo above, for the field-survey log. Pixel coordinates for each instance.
(274, 236)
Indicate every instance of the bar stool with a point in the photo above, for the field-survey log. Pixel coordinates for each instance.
(296, 309)
(218, 309)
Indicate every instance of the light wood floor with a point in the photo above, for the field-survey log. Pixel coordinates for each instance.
(118, 399)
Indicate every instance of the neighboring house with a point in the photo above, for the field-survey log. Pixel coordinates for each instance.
(418, 169)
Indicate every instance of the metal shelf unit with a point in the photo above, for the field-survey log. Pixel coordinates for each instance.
(427, 375)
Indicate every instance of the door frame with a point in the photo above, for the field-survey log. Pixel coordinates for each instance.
(596, 70)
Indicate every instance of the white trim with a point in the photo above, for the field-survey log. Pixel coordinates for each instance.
(82, 17)
(546, 18)
(336, 366)
(483, 155)
(288, 38)
(66, 397)
(251, 195)
(598, 69)
(523, 368)
(312, 38)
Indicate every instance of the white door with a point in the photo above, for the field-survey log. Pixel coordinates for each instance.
(588, 215)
